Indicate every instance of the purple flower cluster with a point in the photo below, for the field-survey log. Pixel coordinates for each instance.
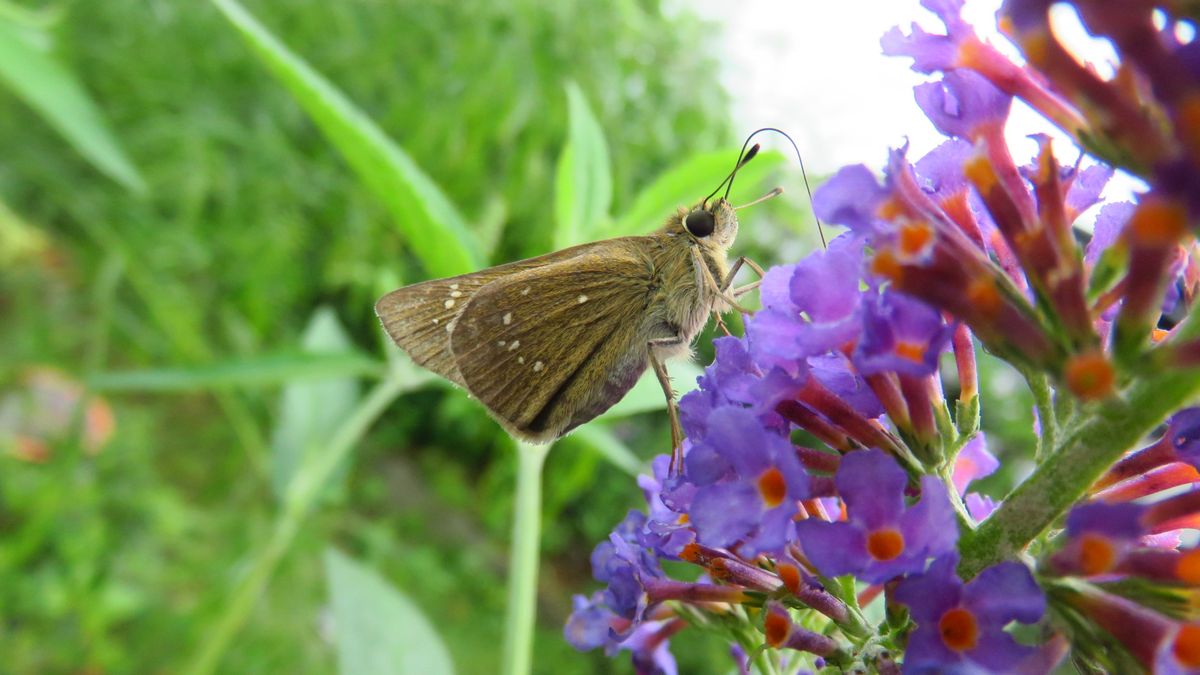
(830, 452)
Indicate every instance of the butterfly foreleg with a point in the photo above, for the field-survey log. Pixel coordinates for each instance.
(660, 371)
(713, 286)
(733, 270)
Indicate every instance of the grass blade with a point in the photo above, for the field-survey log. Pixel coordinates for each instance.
(583, 184)
(428, 220)
(53, 91)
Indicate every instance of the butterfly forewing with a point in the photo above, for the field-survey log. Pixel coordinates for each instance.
(420, 317)
(541, 383)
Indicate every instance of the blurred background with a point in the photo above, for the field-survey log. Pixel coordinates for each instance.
(199, 206)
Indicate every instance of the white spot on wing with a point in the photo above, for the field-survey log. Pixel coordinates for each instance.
(507, 318)
(520, 359)
(514, 345)
(582, 298)
(435, 322)
(537, 366)
(449, 304)
(526, 291)
(500, 343)
(454, 287)
(456, 294)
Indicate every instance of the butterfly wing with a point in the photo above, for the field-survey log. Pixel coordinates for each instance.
(549, 348)
(420, 318)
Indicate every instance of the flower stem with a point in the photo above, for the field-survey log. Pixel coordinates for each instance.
(1083, 455)
(523, 560)
(306, 487)
(1043, 400)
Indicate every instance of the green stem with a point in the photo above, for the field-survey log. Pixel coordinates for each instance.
(303, 492)
(523, 560)
(1043, 399)
(1084, 454)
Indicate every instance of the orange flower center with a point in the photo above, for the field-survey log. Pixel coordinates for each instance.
(1188, 567)
(885, 544)
(1187, 646)
(885, 264)
(1090, 376)
(1096, 554)
(772, 488)
(915, 237)
(959, 630)
(913, 351)
(979, 171)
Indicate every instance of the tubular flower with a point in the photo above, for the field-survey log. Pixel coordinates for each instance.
(833, 455)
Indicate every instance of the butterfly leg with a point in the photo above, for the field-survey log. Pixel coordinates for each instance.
(712, 284)
(737, 265)
(660, 371)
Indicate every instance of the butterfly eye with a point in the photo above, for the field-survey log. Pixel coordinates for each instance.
(700, 223)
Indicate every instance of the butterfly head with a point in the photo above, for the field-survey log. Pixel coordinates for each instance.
(713, 223)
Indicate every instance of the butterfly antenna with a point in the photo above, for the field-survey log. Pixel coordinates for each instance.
(775, 192)
(744, 158)
(803, 174)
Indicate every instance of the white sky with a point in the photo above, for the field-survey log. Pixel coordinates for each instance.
(814, 69)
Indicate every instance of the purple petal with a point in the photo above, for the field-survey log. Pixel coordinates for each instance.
(1184, 431)
(825, 284)
(651, 654)
(998, 652)
(973, 462)
(851, 198)
(834, 548)
(872, 485)
(1003, 593)
(724, 513)
(979, 506)
(929, 595)
(1086, 187)
(929, 51)
(704, 465)
(929, 527)
(587, 627)
(1109, 223)
(963, 103)
(834, 371)
(738, 437)
(926, 653)
(775, 292)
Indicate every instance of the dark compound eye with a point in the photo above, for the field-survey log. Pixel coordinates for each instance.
(700, 223)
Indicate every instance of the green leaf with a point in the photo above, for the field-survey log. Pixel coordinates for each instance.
(53, 91)
(430, 223)
(687, 183)
(377, 630)
(647, 395)
(312, 411)
(583, 184)
(258, 371)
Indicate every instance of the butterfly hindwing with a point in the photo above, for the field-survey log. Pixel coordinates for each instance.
(549, 348)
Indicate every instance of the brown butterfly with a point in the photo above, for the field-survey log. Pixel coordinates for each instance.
(551, 342)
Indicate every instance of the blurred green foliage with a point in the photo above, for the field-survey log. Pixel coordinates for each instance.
(186, 305)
